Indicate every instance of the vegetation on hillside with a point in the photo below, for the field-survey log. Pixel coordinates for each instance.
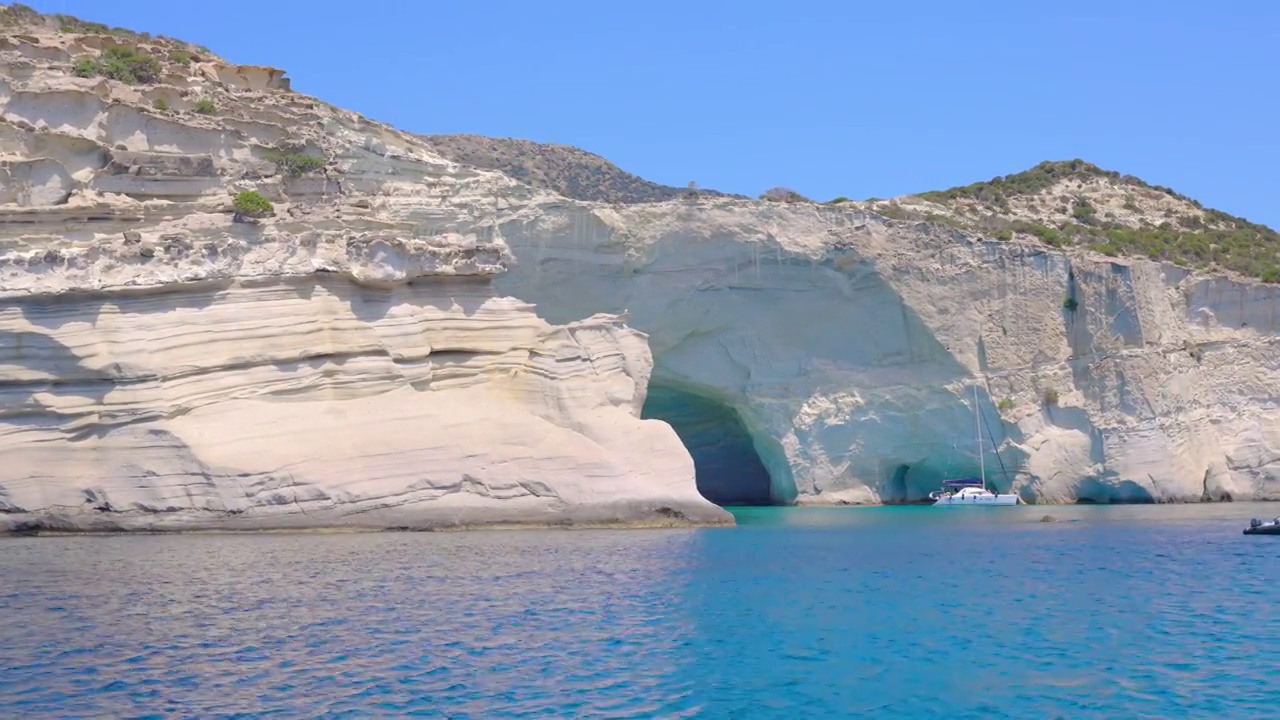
(1171, 227)
(997, 191)
(251, 204)
(121, 62)
(293, 162)
(18, 15)
(1198, 237)
(72, 24)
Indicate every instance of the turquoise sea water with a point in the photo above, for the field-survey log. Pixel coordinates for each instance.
(1112, 612)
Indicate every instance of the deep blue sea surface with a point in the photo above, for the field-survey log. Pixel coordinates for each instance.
(1111, 612)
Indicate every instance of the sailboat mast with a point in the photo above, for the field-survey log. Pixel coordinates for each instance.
(977, 430)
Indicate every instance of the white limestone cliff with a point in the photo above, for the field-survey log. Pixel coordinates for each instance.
(167, 364)
(410, 342)
(849, 345)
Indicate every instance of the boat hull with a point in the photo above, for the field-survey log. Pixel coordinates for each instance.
(977, 500)
(1263, 530)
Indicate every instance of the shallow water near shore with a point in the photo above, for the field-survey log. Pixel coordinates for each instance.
(905, 612)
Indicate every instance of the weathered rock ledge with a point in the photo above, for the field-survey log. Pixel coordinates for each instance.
(368, 384)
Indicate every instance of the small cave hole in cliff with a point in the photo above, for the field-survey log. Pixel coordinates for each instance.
(729, 471)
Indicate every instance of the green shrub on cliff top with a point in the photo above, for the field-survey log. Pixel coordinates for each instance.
(121, 62)
(72, 24)
(251, 204)
(85, 67)
(295, 163)
(130, 65)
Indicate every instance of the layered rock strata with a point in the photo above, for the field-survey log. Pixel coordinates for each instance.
(168, 362)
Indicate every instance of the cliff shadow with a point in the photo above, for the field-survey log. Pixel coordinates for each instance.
(371, 303)
(64, 371)
(54, 311)
(728, 469)
(1110, 490)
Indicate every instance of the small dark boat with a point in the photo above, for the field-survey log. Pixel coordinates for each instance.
(1263, 527)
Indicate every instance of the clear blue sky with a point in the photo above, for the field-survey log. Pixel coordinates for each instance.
(829, 97)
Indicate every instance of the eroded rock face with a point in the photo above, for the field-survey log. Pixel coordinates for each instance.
(849, 345)
(342, 361)
(321, 402)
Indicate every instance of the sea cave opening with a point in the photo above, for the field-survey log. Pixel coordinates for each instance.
(729, 471)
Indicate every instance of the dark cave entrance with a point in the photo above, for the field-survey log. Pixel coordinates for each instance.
(729, 470)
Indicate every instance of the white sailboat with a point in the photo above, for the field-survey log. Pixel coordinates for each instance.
(972, 491)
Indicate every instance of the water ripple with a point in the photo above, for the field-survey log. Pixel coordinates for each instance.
(877, 614)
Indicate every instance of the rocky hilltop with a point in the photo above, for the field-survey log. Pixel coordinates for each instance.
(230, 305)
(1075, 204)
(562, 169)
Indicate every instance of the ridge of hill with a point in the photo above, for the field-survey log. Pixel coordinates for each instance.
(1076, 203)
(563, 169)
